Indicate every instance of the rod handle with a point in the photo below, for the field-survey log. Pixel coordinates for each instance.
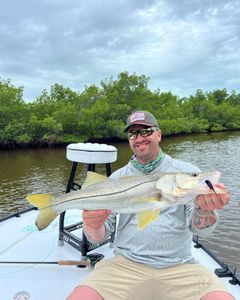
(73, 262)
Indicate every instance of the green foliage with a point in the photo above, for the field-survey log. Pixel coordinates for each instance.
(99, 113)
(13, 114)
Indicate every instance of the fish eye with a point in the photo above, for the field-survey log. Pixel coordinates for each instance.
(194, 175)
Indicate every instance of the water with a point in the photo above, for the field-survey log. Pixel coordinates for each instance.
(24, 172)
(221, 152)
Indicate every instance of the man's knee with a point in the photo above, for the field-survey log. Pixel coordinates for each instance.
(218, 296)
(84, 292)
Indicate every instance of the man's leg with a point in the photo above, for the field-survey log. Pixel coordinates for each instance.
(218, 296)
(114, 279)
(84, 292)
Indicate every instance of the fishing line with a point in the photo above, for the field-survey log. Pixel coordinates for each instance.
(32, 266)
(15, 243)
(32, 229)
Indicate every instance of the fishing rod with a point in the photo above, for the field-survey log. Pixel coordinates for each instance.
(91, 259)
(77, 263)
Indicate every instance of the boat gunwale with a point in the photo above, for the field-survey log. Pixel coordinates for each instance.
(18, 213)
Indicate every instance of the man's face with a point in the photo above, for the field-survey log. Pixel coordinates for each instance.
(147, 148)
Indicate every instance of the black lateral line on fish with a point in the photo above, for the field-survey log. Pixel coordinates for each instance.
(94, 196)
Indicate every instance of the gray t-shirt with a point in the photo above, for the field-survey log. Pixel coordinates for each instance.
(167, 240)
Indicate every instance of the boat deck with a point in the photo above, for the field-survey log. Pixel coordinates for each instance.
(29, 260)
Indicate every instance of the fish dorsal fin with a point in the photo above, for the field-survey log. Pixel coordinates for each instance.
(146, 217)
(92, 178)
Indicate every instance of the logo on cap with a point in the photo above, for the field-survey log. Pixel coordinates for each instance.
(137, 116)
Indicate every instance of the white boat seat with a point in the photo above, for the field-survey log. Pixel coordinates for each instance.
(91, 153)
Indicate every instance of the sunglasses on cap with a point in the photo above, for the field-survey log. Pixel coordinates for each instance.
(144, 132)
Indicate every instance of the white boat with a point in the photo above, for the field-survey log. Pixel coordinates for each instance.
(48, 264)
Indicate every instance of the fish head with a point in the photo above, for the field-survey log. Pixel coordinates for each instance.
(197, 181)
(180, 187)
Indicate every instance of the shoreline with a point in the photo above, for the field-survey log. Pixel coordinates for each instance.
(41, 145)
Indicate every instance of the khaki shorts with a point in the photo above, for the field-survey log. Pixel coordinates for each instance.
(122, 279)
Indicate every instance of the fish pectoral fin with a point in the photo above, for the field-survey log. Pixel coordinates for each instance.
(92, 178)
(146, 217)
(46, 213)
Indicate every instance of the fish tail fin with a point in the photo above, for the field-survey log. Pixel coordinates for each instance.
(46, 212)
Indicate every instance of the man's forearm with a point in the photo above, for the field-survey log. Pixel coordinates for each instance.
(96, 234)
(203, 218)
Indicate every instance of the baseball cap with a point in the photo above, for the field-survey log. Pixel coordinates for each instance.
(141, 118)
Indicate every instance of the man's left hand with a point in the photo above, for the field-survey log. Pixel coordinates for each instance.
(213, 201)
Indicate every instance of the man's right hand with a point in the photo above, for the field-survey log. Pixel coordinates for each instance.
(94, 219)
(93, 223)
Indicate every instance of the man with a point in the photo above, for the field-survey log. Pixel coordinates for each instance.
(154, 263)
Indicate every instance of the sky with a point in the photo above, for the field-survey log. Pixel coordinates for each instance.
(181, 45)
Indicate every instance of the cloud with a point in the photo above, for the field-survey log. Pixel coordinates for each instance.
(180, 45)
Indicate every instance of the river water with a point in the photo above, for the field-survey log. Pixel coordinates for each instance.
(23, 172)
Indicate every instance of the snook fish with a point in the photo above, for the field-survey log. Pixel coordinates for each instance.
(144, 195)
